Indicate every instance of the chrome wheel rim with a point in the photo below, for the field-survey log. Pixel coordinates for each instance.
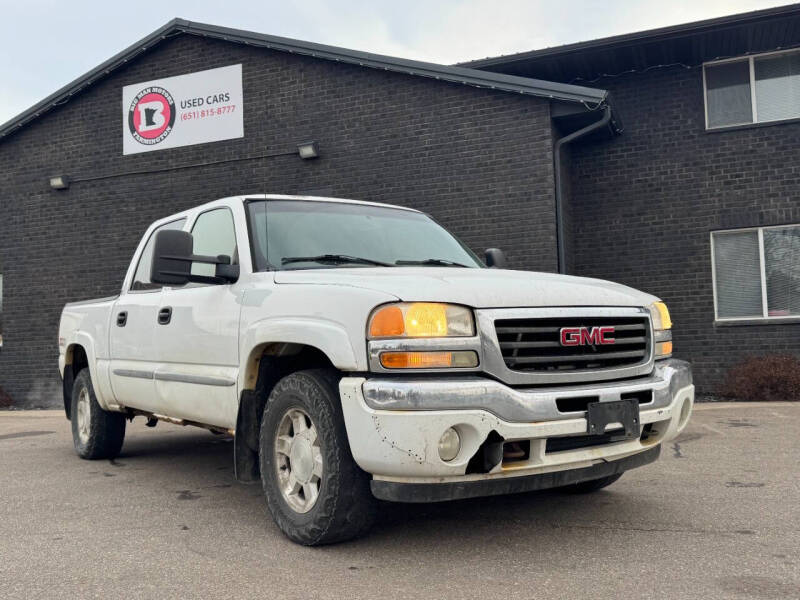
(298, 460)
(83, 416)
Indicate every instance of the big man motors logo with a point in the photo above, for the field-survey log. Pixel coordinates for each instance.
(151, 115)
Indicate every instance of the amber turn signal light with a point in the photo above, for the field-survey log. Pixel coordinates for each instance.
(429, 360)
(663, 349)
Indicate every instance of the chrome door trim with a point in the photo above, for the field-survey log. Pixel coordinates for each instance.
(196, 379)
(134, 373)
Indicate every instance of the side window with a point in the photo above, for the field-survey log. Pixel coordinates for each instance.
(141, 279)
(214, 234)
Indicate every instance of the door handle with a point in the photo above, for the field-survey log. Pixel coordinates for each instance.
(165, 315)
(122, 318)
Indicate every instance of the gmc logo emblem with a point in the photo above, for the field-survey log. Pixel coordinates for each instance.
(583, 336)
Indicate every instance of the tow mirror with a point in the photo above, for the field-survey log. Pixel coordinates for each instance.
(172, 252)
(495, 258)
(173, 255)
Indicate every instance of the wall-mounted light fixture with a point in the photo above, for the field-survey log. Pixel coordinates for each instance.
(308, 150)
(59, 182)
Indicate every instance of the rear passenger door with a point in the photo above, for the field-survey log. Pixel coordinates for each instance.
(198, 348)
(134, 319)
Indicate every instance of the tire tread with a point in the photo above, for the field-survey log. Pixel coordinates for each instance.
(345, 508)
(106, 429)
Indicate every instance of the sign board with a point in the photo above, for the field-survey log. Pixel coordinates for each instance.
(180, 111)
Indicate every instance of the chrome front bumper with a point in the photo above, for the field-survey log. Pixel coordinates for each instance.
(394, 424)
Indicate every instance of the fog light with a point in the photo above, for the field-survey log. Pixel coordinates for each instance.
(449, 445)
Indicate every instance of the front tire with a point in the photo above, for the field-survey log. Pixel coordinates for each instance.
(96, 433)
(314, 490)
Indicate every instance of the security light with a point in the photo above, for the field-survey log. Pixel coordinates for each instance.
(59, 182)
(308, 150)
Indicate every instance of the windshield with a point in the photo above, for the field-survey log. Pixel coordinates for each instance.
(298, 234)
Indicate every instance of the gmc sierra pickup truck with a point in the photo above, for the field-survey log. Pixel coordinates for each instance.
(358, 351)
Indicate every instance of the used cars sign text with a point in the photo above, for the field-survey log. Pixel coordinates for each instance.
(180, 111)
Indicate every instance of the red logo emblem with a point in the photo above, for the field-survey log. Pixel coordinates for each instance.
(583, 336)
(151, 115)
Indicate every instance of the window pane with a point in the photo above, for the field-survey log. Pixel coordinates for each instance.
(213, 234)
(728, 94)
(738, 274)
(141, 279)
(782, 264)
(778, 87)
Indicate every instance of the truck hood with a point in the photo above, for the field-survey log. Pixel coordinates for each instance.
(478, 288)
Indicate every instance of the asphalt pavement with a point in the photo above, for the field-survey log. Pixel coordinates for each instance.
(718, 516)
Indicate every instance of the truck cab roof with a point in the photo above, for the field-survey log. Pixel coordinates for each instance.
(231, 200)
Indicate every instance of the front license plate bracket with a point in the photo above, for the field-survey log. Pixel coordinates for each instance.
(600, 415)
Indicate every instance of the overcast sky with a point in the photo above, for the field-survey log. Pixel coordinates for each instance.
(45, 44)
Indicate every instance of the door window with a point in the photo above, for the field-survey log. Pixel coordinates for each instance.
(214, 234)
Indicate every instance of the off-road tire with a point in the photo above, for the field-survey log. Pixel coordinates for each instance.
(345, 507)
(106, 430)
(586, 487)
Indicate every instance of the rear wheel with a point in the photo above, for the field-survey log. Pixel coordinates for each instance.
(314, 490)
(586, 487)
(96, 433)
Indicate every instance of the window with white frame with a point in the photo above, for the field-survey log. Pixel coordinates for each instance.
(756, 273)
(755, 89)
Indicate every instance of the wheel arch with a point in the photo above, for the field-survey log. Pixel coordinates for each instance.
(76, 358)
(265, 365)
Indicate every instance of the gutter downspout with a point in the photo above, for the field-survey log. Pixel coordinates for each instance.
(560, 242)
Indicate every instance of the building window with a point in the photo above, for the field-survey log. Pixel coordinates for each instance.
(756, 273)
(756, 89)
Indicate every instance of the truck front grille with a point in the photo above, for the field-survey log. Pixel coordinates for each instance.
(534, 345)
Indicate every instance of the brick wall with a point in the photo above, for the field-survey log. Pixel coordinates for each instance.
(478, 160)
(644, 203)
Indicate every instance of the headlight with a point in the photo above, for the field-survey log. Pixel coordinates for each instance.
(662, 323)
(660, 316)
(420, 320)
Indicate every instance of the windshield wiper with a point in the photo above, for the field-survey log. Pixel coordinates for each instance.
(334, 259)
(436, 262)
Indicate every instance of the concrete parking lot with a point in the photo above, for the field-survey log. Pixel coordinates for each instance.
(718, 516)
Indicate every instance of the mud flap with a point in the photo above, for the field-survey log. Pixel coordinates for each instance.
(245, 442)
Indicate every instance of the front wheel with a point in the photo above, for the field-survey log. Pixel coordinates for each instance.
(314, 490)
(96, 433)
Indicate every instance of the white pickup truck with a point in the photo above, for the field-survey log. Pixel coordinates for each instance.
(358, 351)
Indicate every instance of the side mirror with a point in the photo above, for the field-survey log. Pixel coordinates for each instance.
(173, 257)
(495, 258)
